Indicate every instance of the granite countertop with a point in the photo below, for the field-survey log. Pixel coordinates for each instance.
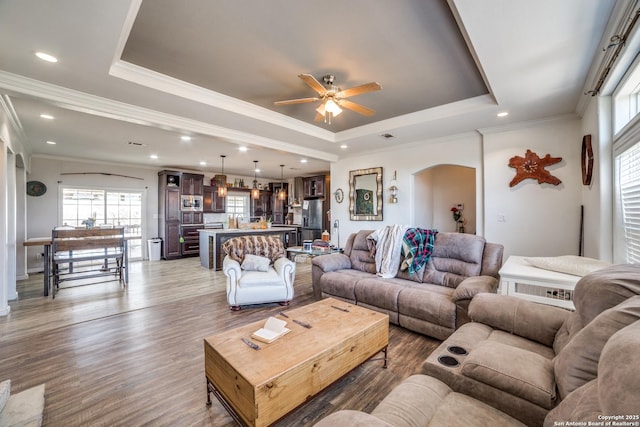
(242, 230)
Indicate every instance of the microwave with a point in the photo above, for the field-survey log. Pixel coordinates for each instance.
(191, 203)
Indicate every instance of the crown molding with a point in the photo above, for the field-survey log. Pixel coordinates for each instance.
(161, 82)
(12, 116)
(527, 124)
(440, 112)
(91, 104)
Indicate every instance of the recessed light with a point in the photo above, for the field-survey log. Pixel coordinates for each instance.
(243, 148)
(503, 113)
(47, 116)
(46, 57)
(51, 142)
(154, 156)
(344, 146)
(185, 138)
(303, 160)
(203, 163)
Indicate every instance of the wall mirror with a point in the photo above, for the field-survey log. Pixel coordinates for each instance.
(365, 194)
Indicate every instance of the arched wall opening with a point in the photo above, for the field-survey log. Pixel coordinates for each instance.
(439, 188)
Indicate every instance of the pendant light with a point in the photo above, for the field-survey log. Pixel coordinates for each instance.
(255, 193)
(222, 184)
(282, 195)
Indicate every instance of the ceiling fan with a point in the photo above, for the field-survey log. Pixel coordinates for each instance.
(333, 98)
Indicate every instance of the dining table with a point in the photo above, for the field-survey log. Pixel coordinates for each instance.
(46, 243)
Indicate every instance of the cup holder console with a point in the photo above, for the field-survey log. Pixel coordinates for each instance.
(457, 350)
(448, 361)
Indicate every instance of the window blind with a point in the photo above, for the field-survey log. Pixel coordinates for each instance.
(629, 179)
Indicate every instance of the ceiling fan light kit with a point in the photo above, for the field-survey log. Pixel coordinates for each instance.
(333, 98)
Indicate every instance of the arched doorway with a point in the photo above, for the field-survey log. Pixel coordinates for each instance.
(438, 189)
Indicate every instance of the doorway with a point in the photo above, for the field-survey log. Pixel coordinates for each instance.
(440, 188)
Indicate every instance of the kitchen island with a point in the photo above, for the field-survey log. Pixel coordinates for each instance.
(211, 240)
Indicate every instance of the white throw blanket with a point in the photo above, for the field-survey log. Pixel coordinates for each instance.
(388, 244)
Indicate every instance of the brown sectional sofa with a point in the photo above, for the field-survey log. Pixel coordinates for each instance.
(529, 364)
(434, 301)
(524, 358)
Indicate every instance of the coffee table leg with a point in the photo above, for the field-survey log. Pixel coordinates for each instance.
(212, 389)
(384, 350)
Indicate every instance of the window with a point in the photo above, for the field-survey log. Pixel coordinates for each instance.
(628, 186)
(238, 204)
(112, 207)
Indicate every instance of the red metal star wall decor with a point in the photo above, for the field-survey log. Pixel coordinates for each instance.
(532, 166)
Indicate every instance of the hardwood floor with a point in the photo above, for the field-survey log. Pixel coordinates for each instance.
(114, 357)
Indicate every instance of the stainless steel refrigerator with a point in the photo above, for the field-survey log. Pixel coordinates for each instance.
(312, 219)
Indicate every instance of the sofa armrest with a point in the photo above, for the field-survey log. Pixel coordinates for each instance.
(286, 269)
(231, 269)
(471, 286)
(537, 322)
(351, 418)
(324, 264)
(332, 262)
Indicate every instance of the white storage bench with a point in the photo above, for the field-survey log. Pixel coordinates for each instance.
(520, 279)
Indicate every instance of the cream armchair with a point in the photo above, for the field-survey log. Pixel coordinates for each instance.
(266, 278)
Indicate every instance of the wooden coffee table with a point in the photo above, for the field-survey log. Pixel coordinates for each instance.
(258, 387)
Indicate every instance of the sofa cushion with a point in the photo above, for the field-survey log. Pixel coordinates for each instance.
(432, 303)
(595, 293)
(417, 276)
(360, 255)
(581, 404)
(5, 392)
(342, 283)
(568, 264)
(378, 292)
(537, 322)
(255, 263)
(459, 254)
(519, 372)
(577, 363)
(619, 373)
(252, 279)
(614, 392)
(421, 400)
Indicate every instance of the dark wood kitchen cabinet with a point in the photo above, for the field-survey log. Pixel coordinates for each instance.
(192, 184)
(192, 218)
(314, 187)
(262, 206)
(190, 244)
(280, 208)
(169, 217)
(212, 202)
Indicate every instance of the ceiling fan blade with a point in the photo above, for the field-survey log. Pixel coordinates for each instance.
(313, 83)
(296, 101)
(361, 109)
(359, 90)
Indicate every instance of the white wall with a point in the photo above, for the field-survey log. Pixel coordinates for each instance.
(42, 211)
(540, 219)
(463, 150)
(597, 198)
